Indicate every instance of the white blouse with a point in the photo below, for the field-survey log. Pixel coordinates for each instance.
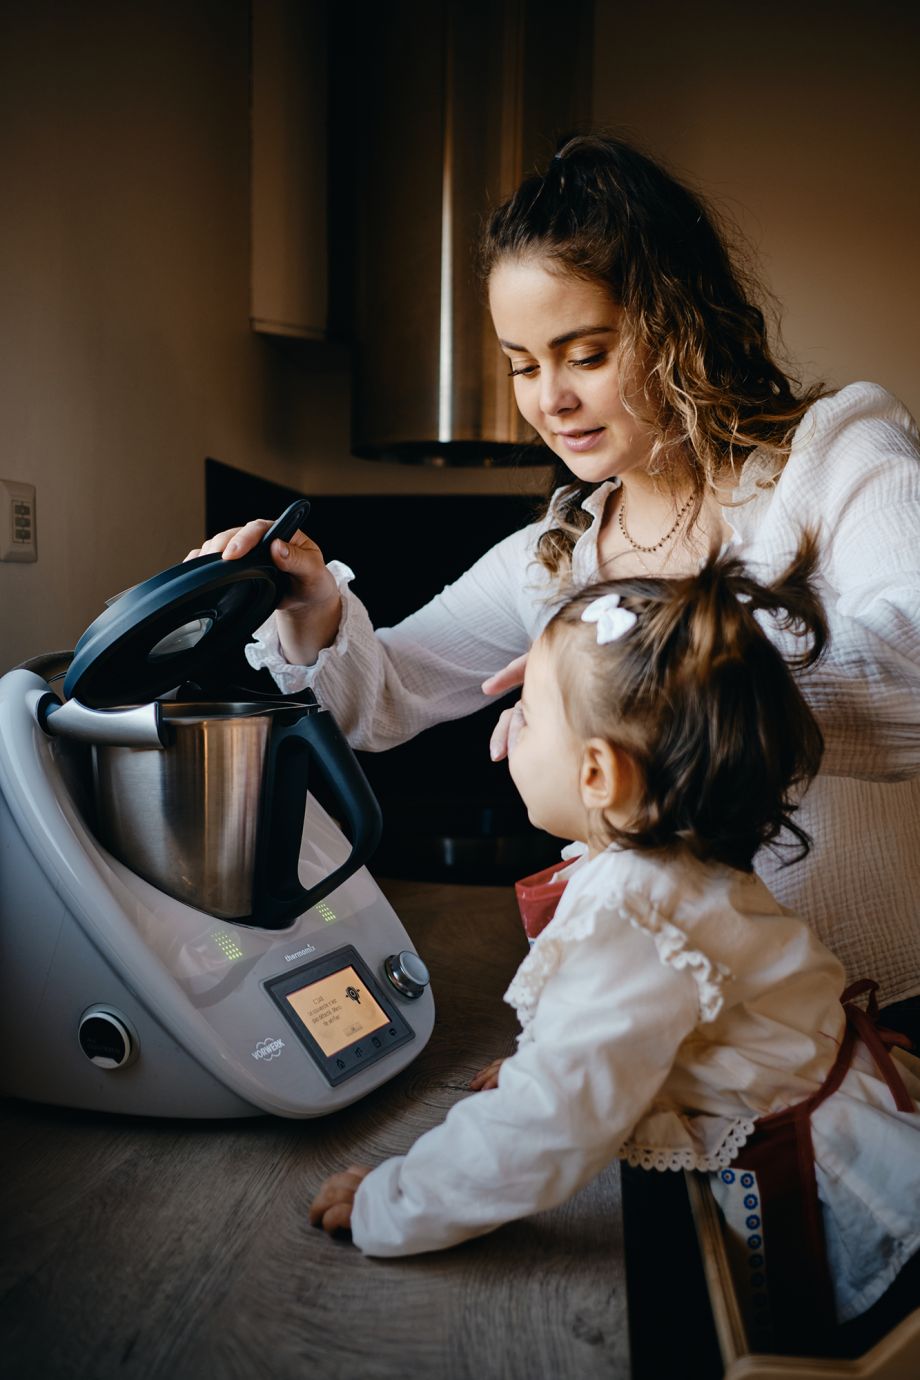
(663, 1009)
(853, 474)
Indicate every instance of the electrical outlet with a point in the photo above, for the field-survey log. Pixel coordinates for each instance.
(17, 521)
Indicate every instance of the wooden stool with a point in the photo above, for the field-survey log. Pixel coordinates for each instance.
(896, 1356)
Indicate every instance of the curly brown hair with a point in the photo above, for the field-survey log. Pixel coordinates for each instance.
(704, 703)
(692, 330)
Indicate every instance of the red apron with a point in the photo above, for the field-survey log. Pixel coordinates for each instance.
(798, 1299)
(537, 898)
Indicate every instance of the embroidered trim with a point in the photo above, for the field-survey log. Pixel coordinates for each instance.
(662, 1159)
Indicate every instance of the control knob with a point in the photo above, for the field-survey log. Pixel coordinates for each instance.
(407, 973)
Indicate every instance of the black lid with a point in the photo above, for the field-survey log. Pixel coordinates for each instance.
(168, 629)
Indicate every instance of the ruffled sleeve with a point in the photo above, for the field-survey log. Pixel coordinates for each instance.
(265, 653)
(588, 912)
(675, 950)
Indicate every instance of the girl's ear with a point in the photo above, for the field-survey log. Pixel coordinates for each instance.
(608, 777)
(598, 777)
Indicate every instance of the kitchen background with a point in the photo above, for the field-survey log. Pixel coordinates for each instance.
(130, 202)
(127, 353)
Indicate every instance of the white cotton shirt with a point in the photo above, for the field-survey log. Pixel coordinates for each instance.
(664, 1008)
(854, 475)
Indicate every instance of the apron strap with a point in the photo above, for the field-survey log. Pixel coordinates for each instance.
(781, 1154)
(877, 1040)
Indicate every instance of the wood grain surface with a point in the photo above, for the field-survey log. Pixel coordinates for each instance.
(143, 1248)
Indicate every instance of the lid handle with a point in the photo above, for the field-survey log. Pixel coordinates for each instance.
(285, 526)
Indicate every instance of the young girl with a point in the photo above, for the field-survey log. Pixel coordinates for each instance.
(640, 357)
(671, 1010)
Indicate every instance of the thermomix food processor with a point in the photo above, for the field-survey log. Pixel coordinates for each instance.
(186, 930)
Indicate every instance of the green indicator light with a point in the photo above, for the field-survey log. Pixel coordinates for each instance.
(326, 912)
(227, 944)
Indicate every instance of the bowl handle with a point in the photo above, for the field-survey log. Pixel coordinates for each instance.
(312, 740)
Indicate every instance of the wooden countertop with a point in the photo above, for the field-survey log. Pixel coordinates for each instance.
(144, 1248)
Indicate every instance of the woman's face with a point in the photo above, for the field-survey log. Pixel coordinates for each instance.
(561, 336)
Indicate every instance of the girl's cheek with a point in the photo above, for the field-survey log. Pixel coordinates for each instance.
(515, 772)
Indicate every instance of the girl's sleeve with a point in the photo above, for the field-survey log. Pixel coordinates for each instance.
(387, 685)
(863, 493)
(604, 1037)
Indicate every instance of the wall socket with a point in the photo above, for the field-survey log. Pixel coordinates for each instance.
(17, 521)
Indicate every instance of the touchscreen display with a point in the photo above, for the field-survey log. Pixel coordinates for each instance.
(337, 1010)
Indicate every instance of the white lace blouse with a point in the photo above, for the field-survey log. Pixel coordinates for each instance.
(854, 473)
(663, 1009)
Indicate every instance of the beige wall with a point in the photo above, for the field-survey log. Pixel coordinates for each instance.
(803, 121)
(126, 350)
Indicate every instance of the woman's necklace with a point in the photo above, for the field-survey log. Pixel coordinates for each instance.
(621, 522)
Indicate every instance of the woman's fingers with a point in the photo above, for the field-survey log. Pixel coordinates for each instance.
(237, 541)
(233, 542)
(503, 733)
(501, 736)
(310, 580)
(506, 679)
(310, 583)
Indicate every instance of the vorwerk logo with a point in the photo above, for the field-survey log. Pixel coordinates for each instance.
(268, 1049)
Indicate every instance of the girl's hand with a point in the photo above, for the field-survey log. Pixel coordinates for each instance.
(487, 1077)
(309, 612)
(331, 1208)
(507, 679)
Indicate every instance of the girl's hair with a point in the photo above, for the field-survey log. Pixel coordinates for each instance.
(692, 332)
(703, 701)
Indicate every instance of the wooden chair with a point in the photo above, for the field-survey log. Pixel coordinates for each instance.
(895, 1357)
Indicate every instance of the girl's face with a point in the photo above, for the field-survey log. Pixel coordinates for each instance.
(561, 336)
(544, 753)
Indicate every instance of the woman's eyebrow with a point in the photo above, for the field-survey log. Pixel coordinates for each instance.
(557, 340)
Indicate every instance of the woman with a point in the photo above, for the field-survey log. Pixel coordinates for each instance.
(641, 360)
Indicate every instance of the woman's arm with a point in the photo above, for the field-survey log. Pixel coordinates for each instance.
(855, 477)
(385, 686)
(604, 1038)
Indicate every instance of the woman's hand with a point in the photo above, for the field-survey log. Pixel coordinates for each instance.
(308, 614)
(487, 1077)
(506, 679)
(332, 1207)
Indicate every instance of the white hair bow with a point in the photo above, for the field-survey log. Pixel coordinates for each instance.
(612, 621)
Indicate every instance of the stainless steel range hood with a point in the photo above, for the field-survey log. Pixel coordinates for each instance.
(455, 99)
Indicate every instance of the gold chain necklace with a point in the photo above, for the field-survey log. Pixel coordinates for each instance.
(621, 522)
